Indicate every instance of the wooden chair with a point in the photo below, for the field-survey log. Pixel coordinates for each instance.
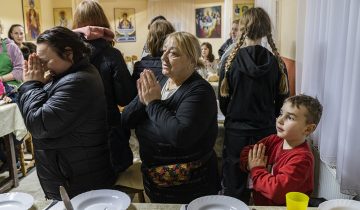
(130, 182)
(26, 163)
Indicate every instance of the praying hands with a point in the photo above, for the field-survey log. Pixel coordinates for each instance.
(148, 87)
(34, 70)
(256, 156)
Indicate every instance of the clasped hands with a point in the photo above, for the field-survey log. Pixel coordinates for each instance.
(34, 70)
(256, 156)
(148, 87)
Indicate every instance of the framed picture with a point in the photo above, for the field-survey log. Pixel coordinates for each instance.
(125, 28)
(239, 9)
(63, 17)
(32, 17)
(208, 22)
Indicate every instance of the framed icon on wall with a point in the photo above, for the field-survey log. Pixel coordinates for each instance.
(125, 26)
(208, 22)
(32, 17)
(63, 17)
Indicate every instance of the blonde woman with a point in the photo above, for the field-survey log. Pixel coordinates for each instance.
(175, 121)
(253, 87)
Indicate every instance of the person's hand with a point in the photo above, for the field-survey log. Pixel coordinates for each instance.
(256, 156)
(139, 88)
(34, 70)
(6, 99)
(149, 88)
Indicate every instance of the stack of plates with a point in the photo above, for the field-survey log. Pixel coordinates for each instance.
(340, 204)
(15, 201)
(218, 202)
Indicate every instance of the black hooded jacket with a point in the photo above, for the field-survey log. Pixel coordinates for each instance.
(254, 98)
(119, 87)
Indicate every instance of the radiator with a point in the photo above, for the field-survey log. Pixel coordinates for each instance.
(326, 185)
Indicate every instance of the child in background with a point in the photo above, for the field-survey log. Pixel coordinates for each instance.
(207, 57)
(253, 86)
(284, 163)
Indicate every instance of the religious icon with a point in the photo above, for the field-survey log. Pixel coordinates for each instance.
(31, 10)
(125, 30)
(63, 17)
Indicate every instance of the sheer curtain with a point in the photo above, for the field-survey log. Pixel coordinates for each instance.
(181, 13)
(328, 64)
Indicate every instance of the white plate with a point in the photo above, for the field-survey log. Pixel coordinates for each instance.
(340, 204)
(16, 201)
(98, 199)
(217, 202)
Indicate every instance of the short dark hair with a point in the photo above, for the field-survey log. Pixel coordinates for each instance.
(313, 106)
(59, 38)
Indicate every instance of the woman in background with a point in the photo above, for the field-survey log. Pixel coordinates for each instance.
(155, 41)
(175, 121)
(120, 89)
(11, 61)
(66, 115)
(16, 33)
(208, 58)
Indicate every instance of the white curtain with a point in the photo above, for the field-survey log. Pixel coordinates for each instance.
(328, 67)
(181, 13)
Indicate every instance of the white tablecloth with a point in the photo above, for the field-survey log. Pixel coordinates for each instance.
(11, 121)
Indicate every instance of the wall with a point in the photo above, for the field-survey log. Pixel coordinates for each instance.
(215, 42)
(141, 20)
(10, 14)
(288, 16)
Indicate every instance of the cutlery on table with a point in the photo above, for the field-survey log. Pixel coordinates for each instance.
(65, 198)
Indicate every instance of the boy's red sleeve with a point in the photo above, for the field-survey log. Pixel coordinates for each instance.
(290, 177)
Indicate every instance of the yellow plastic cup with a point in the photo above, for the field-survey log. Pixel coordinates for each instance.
(296, 201)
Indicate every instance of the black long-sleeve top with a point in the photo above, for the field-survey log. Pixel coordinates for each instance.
(179, 129)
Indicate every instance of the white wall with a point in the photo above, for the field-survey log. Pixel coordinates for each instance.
(11, 13)
(129, 48)
(288, 14)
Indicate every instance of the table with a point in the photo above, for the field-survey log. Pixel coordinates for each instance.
(158, 206)
(11, 122)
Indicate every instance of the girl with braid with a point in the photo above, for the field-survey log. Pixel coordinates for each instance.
(253, 86)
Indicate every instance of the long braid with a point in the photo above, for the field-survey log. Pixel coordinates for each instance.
(224, 88)
(284, 83)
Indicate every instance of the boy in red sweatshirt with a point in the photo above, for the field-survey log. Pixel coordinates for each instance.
(284, 163)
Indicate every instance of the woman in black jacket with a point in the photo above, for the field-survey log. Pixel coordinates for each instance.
(176, 124)
(120, 88)
(155, 40)
(66, 116)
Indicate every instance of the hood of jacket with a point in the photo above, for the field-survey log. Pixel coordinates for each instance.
(96, 32)
(254, 61)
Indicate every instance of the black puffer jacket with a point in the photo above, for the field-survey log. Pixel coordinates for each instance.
(120, 88)
(67, 119)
